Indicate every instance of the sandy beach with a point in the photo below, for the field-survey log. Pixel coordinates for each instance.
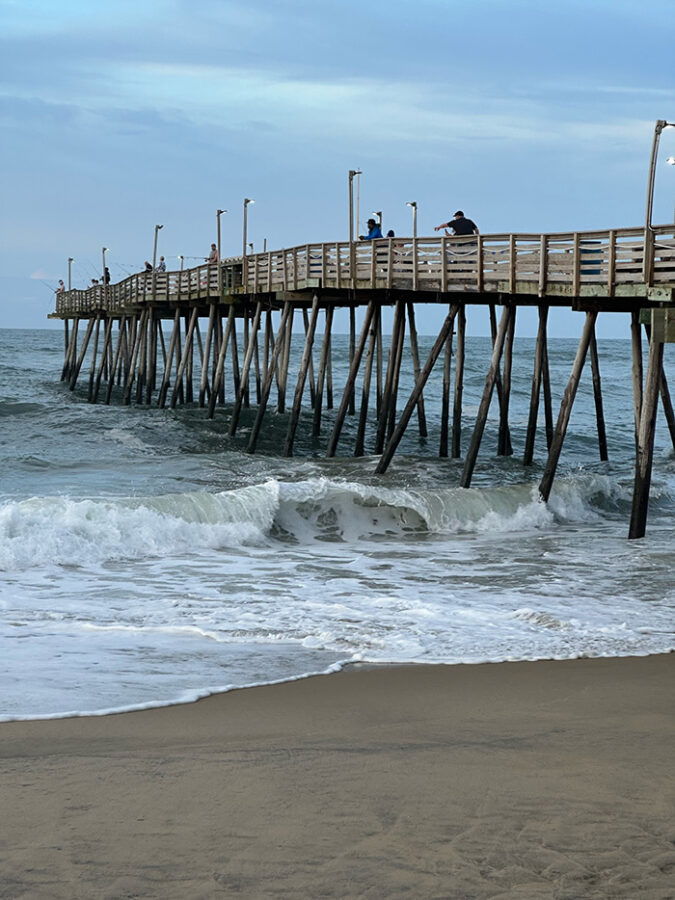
(536, 780)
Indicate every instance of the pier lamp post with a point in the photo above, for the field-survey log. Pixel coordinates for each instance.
(105, 286)
(154, 249)
(70, 264)
(219, 213)
(413, 205)
(647, 261)
(352, 174)
(658, 128)
(182, 260)
(671, 162)
(247, 200)
(352, 259)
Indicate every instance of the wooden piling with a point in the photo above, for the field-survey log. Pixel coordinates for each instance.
(302, 376)
(351, 381)
(445, 397)
(528, 453)
(269, 377)
(166, 380)
(409, 408)
(414, 352)
(566, 407)
(321, 374)
(243, 385)
(121, 330)
(359, 446)
(218, 386)
(490, 381)
(597, 396)
(645, 444)
(184, 361)
(83, 349)
(383, 417)
(503, 440)
(459, 384)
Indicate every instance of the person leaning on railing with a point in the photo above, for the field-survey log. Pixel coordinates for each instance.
(459, 224)
(374, 231)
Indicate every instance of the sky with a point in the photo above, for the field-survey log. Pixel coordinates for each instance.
(528, 115)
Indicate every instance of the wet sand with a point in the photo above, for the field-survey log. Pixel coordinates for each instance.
(533, 780)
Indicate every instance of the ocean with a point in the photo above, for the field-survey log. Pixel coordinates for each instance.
(147, 559)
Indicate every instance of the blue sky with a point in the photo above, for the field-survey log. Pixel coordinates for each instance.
(530, 116)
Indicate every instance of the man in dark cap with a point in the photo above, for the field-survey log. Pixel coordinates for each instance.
(459, 224)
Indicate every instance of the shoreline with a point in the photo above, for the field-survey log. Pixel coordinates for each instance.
(541, 779)
(333, 670)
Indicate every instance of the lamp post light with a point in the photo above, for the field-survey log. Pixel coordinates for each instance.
(658, 128)
(247, 200)
(104, 279)
(70, 280)
(219, 213)
(352, 173)
(154, 249)
(413, 205)
(647, 256)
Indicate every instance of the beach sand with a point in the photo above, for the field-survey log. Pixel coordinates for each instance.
(510, 780)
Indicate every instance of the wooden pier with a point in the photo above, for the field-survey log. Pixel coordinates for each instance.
(116, 330)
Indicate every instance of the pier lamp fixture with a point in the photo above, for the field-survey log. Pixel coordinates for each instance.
(413, 205)
(70, 264)
(378, 213)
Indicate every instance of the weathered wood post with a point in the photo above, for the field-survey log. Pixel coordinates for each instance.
(351, 380)
(367, 374)
(540, 346)
(408, 410)
(269, 377)
(645, 443)
(323, 362)
(243, 386)
(302, 376)
(459, 384)
(597, 396)
(481, 418)
(566, 407)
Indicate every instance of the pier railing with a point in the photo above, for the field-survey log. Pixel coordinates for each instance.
(592, 263)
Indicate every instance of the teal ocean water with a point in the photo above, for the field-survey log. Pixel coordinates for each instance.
(146, 558)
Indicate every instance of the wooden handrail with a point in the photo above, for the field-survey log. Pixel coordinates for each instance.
(618, 256)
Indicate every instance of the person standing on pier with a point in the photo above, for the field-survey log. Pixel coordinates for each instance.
(459, 224)
(161, 265)
(374, 231)
(106, 275)
(212, 258)
(61, 288)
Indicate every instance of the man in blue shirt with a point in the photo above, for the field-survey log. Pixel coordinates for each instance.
(374, 231)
